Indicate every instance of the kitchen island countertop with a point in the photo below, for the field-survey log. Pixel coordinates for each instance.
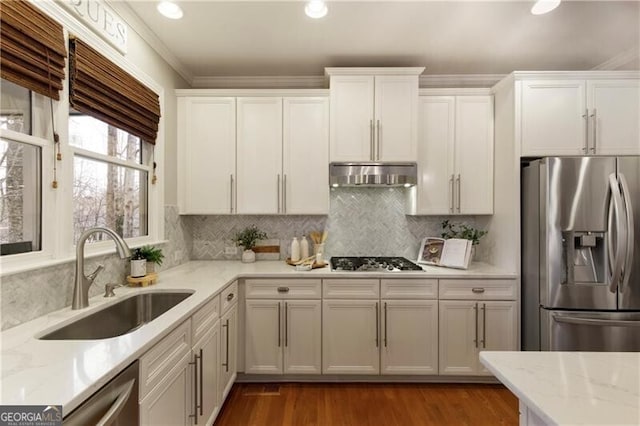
(66, 372)
(571, 388)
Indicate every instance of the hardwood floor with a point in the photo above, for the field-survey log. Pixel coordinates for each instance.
(360, 404)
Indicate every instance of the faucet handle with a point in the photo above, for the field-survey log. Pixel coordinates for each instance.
(92, 276)
(108, 289)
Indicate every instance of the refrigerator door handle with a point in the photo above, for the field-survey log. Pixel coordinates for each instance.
(594, 321)
(626, 267)
(620, 234)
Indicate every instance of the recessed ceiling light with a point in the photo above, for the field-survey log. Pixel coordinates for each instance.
(544, 6)
(316, 9)
(170, 10)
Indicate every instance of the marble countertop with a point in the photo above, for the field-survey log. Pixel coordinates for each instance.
(569, 388)
(41, 372)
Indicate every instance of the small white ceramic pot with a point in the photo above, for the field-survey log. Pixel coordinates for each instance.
(248, 256)
(138, 268)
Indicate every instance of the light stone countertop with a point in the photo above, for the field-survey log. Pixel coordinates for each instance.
(39, 372)
(572, 388)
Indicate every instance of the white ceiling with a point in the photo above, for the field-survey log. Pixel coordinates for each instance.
(267, 38)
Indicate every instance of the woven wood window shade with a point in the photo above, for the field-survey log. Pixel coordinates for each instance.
(32, 49)
(103, 90)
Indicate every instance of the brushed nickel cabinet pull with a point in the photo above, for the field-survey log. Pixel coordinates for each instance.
(477, 290)
(459, 196)
(201, 380)
(231, 195)
(230, 297)
(278, 187)
(377, 325)
(385, 324)
(475, 310)
(284, 194)
(451, 194)
(195, 389)
(279, 326)
(378, 140)
(286, 324)
(594, 130)
(283, 289)
(586, 130)
(226, 361)
(484, 325)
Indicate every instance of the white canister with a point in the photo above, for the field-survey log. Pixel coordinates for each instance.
(304, 248)
(295, 250)
(138, 268)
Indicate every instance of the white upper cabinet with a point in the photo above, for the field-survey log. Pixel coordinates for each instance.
(259, 147)
(455, 155)
(579, 117)
(614, 116)
(373, 114)
(206, 154)
(305, 155)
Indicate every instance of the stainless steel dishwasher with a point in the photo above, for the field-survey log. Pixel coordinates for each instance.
(116, 403)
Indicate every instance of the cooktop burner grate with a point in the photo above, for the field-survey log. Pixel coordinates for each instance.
(373, 264)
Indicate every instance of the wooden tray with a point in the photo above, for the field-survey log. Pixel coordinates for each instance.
(148, 279)
(315, 265)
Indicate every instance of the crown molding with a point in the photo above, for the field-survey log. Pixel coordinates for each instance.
(618, 61)
(454, 91)
(260, 82)
(254, 92)
(137, 25)
(460, 80)
(329, 71)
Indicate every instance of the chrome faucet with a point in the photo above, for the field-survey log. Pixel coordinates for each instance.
(82, 283)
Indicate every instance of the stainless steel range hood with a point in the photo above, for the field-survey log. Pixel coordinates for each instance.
(373, 174)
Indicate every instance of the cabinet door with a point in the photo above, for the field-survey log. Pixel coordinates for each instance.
(351, 118)
(305, 146)
(499, 329)
(259, 147)
(552, 117)
(458, 323)
(228, 350)
(435, 155)
(614, 111)
(396, 117)
(302, 337)
(409, 337)
(170, 403)
(206, 154)
(474, 155)
(208, 365)
(350, 337)
(263, 336)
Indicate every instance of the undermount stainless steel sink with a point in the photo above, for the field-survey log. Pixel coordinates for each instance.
(120, 318)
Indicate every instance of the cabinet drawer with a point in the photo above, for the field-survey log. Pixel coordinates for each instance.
(349, 288)
(283, 289)
(229, 296)
(206, 316)
(159, 360)
(478, 289)
(409, 289)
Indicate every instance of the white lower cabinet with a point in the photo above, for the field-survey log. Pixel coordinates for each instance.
(228, 349)
(409, 337)
(207, 351)
(169, 403)
(350, 336)
(283, 326)
(469, 326)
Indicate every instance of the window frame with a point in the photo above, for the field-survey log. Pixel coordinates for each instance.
(58, 246)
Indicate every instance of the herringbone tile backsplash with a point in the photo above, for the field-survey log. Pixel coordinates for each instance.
(361, 221)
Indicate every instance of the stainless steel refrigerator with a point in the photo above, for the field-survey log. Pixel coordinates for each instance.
(581, 254)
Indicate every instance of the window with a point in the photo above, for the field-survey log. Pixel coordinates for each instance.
(15, 107)
(110, 178)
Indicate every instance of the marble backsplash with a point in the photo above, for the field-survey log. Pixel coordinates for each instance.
(361, 221)
(28, 295)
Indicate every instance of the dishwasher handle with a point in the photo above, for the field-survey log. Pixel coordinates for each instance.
(118, 405)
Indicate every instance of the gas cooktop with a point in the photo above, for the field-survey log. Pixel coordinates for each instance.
(373, 264)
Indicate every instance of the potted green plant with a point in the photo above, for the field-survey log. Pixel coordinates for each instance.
(153, 255)
(456, 230)
(247, 238)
